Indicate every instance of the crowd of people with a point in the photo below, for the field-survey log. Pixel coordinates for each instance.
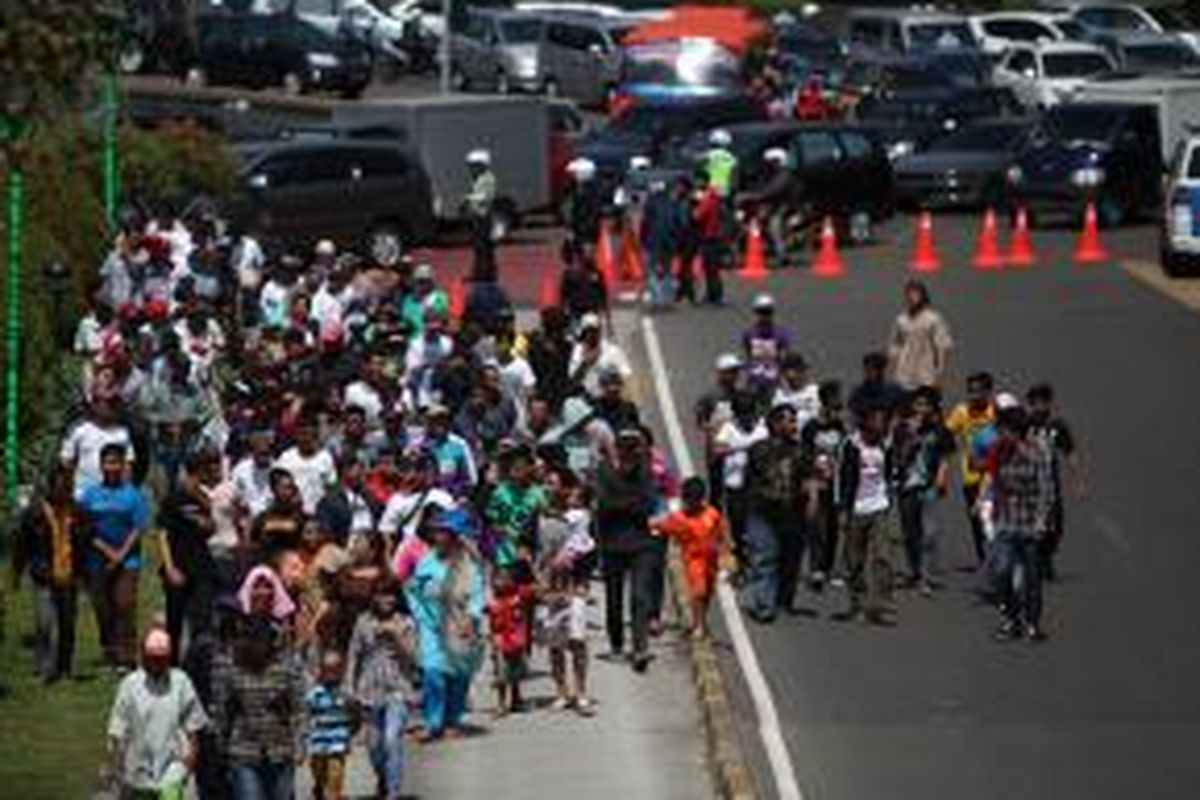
(354, 501)
(829, 491)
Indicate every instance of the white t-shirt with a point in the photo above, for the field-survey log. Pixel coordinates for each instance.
(273, 302)
(326, 308)
(251, 485)
(82, 448)
(872, 495)
(248, 262)
(518, 380)
(406, 508)
(805, 401)
(736, 444)
(312, 474)
(366, 397)
(611, 358)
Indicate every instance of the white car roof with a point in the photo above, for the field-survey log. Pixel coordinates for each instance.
(1045, 17)
(1045, 48)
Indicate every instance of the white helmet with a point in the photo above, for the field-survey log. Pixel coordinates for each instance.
(480, 156)
(720, 138)
(776, 155)
(582, 169)
(638, 163)
(325, 247)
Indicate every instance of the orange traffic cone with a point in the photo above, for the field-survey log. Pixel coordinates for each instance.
(631, 257)
(458, 299)
(987, 252)
(548, 294)
(925, 257)
(828, 263)
(606, 263)
(1089, 249)
(1020, 250)
(754, 266)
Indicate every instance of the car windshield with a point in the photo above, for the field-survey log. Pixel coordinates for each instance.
(521, 31)
(978, 139)
(1159, 56)
(1074, 65)
(942, 35)
(1078, 123)
(1072, 29)
(809, 45)
(1193, 166)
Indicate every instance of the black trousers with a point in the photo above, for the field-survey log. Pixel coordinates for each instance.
(483, 248)
(192, 603)
(792, 535)
(712, 257)
(637, 568)
(970, 496)
(737, 509)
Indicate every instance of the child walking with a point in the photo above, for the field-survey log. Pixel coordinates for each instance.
(508, 616)
(702, 534)
(330, 728)
(566, 547)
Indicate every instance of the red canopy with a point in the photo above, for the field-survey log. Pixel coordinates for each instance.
(732, 27)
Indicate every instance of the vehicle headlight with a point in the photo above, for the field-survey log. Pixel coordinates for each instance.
(1015, 175)
(322, 60)
(1087, 177)
(526, 66)
(900, 149)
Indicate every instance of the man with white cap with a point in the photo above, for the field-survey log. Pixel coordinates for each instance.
(594, 355)
(713, 410)
(153, 725)
(584, 203)
(765, 344)
(479, 205)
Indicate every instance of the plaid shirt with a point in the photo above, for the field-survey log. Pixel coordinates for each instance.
(1023, 489)
(261, 716)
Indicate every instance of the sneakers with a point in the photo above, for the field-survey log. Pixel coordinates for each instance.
(562, 703)
(1034, 633)
(586, 707)
(640, 662)
(1007, 631)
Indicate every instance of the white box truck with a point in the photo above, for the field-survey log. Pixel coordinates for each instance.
(442, 129)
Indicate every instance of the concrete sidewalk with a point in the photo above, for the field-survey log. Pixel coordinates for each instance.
(645, 740)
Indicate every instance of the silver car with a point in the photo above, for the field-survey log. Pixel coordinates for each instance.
(498, 50)
(581, 57)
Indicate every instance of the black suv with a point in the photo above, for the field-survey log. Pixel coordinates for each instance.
(237, 44)
(356, 191)
(653, 127)
(1108, 152)
(840, 170)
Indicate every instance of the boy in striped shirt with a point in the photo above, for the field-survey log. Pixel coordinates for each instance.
(330, 718)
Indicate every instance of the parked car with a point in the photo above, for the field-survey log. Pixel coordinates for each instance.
(395, 41)
(653, 127)
(905, 122)
(998, 31)
(1179, 241)
(1125, 18)
(498, 50)
(839, 169)
(273, 45)
(581, 58)
(679, 69)
(1044, 75)
(914, 30)
(1105, 152)
(366, 192)
(964, 168)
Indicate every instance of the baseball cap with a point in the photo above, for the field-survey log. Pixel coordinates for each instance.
(589, 321)
(728, 361)
(764, 302)
(1006, 401)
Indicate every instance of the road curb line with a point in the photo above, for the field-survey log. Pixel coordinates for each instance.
(730, 774)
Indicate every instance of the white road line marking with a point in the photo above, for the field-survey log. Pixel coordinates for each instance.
(760, 692)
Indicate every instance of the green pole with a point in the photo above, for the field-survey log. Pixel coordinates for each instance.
(12, 333)
(112, 177)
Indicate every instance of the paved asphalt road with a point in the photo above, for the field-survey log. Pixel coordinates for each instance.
(934, 708)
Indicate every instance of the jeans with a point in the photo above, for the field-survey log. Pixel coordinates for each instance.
(871, 543)
(113, 594)
(658, 276)
(54, 613)
(1018, 566)
(443, 700)
(821, 521)
(388, 722)
(775, 547)
(918, 522)
(639, 566)
(737, 507)
(658, 578)
(263, 780)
